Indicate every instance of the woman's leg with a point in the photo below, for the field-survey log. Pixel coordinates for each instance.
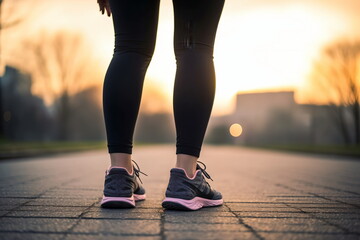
(196, 23)
(135, 25)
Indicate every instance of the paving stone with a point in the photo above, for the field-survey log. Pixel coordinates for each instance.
(290, 225)
(20, 194)
(352, 201)
(352, 225)
(313, 205)
(259, 206)
(118, 226)
(300, 200)
(312, 236)
(122, 215)
(13, 201)
(36, 224)
(31, 236)
(205, 227)
(210, 235)
(331, 210)
(2, 213)
(272, 215)
(195, 219)
(8, 207)
(61, 202)
(51, 208)
(271, 210)
(88, 194)
(201, 213)
(338, 215)
(50, 214)
(109, 237)
(267, 190)
(264, 209)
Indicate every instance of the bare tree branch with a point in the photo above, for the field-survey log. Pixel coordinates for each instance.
(61, 64)
(336, 74)
(11, 24)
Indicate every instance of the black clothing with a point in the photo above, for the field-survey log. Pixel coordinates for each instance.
(135, 25)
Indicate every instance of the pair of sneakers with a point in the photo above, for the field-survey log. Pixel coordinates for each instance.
(122, 189)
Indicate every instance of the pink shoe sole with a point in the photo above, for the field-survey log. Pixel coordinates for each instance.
(193, 204)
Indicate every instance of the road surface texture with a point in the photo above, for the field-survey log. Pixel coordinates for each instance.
(268, 195)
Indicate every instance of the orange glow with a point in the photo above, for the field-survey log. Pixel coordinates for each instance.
(235, 130)
(262, 45)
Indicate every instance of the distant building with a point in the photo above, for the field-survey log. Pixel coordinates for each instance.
(273, 118)
(24, 116)
(254, 109)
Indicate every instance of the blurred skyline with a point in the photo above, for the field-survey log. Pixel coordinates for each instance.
(260, 45)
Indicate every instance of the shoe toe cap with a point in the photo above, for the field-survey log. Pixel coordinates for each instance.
(217, 195)
(140, 190)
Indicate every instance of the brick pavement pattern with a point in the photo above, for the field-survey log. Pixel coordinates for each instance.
(268, 195)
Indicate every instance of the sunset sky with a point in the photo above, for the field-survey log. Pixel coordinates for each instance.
(260, 45)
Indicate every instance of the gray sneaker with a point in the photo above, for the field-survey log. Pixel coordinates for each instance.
(121, 189)
(184, 193)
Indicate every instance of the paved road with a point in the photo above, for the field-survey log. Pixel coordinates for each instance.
(268, 195)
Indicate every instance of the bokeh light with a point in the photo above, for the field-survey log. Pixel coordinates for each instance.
(235, 130)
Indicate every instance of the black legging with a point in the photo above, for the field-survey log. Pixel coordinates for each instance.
(135, 24)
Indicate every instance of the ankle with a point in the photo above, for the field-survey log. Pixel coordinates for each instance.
(121, 160)
(188, 163)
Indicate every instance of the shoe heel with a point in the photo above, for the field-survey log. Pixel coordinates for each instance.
(117, 202)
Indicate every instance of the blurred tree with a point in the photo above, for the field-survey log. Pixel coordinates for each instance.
(11, 18)
(154, 123)
(86, 122)
(154, 128)
(62, 65)
(336, 77)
